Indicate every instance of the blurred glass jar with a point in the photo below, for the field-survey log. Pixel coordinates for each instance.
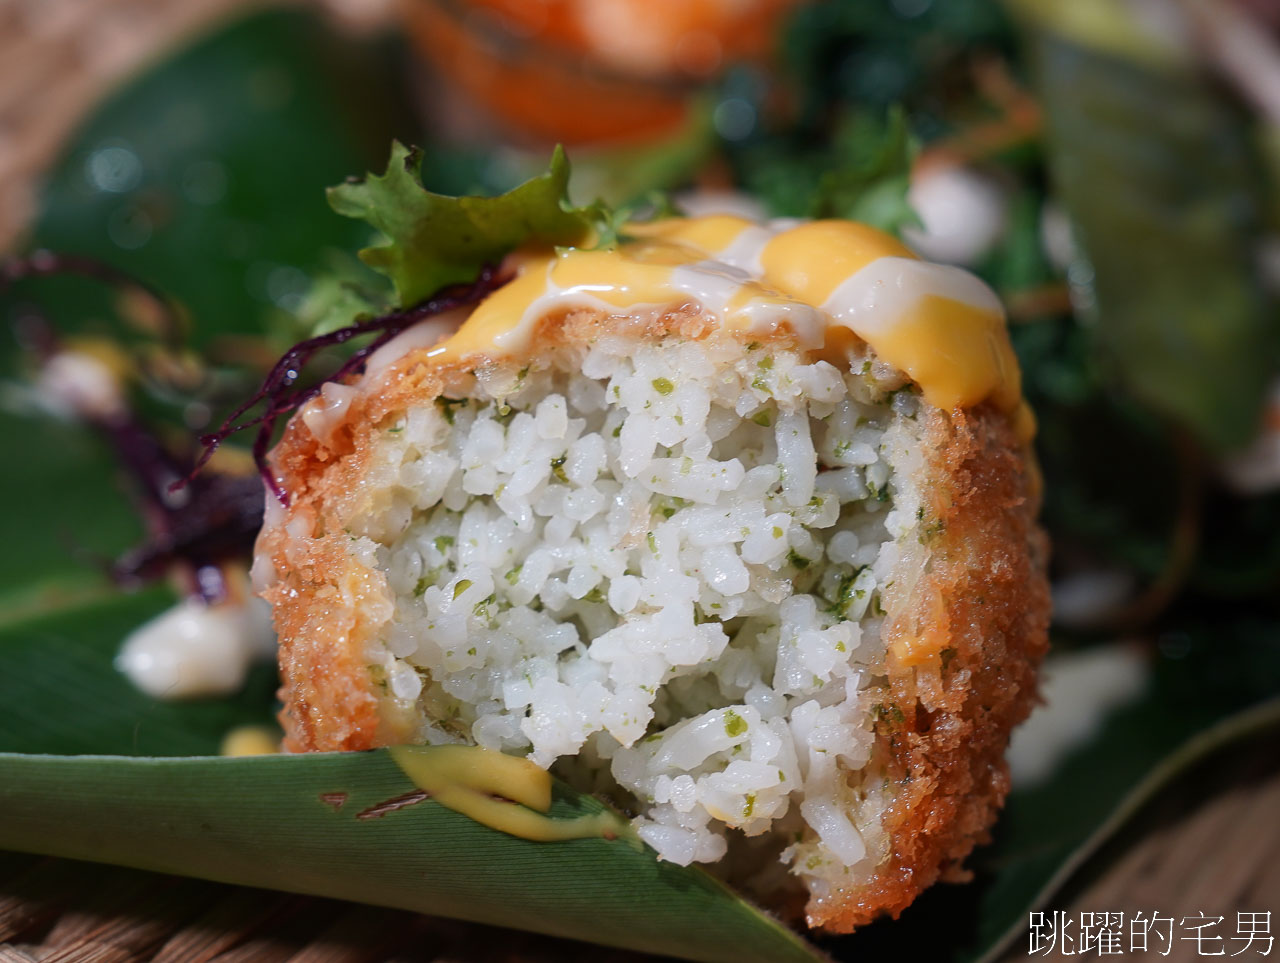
(596, 72)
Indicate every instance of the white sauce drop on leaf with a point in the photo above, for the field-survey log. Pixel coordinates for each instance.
(195, 650)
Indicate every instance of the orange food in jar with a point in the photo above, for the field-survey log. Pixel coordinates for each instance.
(590, 71)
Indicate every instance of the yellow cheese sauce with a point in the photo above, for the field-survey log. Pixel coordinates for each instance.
(506, 793)
(250, 741)
(940, 325)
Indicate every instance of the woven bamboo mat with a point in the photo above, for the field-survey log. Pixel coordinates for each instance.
(1218, 856)
(58, 911)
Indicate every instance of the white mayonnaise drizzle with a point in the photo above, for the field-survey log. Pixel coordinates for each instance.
(195, 650)
(876, 297)
(324, 413)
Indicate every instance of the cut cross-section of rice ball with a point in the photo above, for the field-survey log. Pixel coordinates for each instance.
(732, 525)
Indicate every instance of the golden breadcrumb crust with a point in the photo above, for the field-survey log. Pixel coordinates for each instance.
(975, 601)
(967, 613)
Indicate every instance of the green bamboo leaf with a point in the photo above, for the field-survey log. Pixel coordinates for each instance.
(1110, 25)
(319, 824)
(204, 174)
(60, 692)
(1161, 179)
(59, 520)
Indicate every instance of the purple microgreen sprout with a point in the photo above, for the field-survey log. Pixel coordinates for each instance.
(195, 530)
(278, 393)
(44, 263)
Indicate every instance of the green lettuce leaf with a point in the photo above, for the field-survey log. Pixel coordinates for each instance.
(346, 294)
(871, 181)
(862, 173)
(433, 240)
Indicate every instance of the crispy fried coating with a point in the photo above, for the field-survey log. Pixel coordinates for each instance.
(967, 629)
(967, 616)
